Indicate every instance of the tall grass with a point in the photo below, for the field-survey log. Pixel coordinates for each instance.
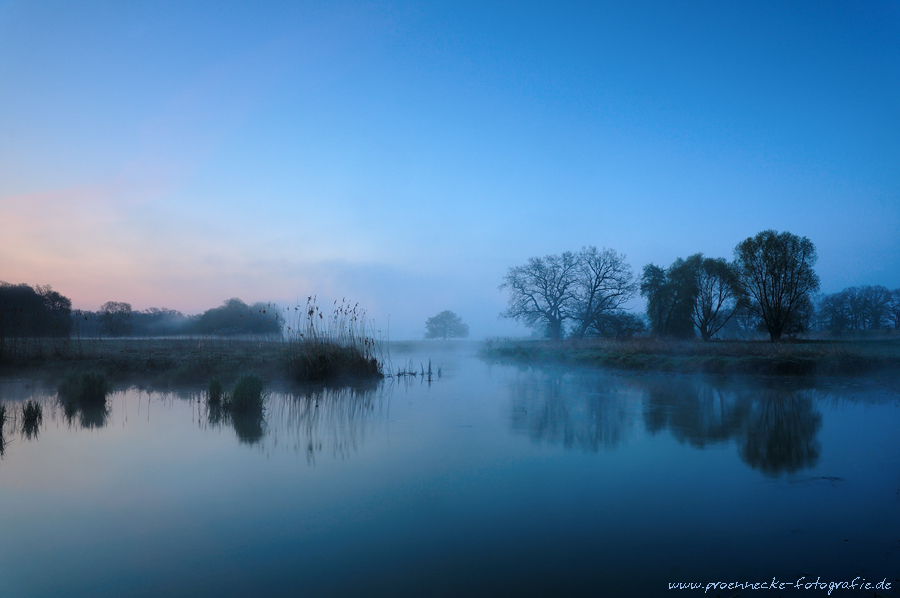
(88, 388)
(247, 396)
(340, 345)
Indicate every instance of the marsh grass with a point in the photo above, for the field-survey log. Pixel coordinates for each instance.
(83, 396)
(247, 396)
(798, 358)
(32, 418)
(340, 345)
(87, 388)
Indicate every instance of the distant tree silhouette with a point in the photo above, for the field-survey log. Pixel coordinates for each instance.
(894, 310)
(776, 272)
(856, 308)
(115, 319)
(236, 317)
(33, 312)
(446, 325)
(156, 321)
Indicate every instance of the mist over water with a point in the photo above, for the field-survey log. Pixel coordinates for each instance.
(494, 479)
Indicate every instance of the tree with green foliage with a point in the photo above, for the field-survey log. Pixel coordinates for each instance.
(446, 325)
(776, 272)
(670, 294)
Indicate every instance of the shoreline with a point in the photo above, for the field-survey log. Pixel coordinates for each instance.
(193, 359)
(760, 358)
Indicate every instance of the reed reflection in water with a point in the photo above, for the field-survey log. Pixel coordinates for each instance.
(312, 419)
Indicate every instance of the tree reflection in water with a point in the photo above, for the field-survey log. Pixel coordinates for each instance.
(780, 435)
(577, 411)
(775, 428)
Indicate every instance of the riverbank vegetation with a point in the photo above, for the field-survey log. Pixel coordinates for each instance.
(804, 358)
(313, 347)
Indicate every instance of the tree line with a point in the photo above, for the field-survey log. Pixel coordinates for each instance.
(770, 286)
(870, 307)
(40, 311)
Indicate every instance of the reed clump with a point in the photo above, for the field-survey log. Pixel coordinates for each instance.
(247, 396)
(88, 388)
(320, 348)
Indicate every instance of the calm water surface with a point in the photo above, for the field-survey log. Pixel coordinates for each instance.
(494, 480)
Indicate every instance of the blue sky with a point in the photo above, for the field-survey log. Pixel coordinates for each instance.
(406, 155)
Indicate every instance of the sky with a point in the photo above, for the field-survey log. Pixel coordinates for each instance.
(406, 155)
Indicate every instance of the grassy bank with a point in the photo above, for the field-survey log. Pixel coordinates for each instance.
(798, 358)
(189, 360)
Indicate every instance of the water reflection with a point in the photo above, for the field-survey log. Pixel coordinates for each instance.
(693, 410)
(575, 410)
(333, 419)
(780, 434)
(310, 419)
(774, 427)
(85, 414)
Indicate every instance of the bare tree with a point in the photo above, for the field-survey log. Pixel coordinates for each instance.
(543, 291)
(718, 294)
(776, 272)
(856, 308)
(875, 303)
(604, 283)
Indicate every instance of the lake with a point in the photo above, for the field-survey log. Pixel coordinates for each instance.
(492, 480)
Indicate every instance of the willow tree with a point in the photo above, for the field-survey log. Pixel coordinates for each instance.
(776, 272)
